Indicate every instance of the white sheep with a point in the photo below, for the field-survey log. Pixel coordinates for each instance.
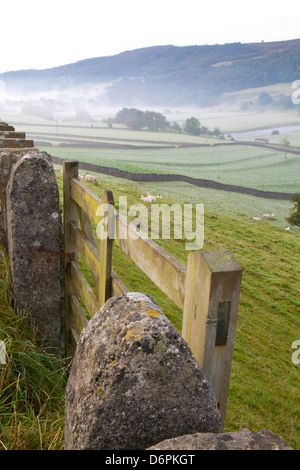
(288, 229)
(91, 178)
(148, 198)
(257, 218)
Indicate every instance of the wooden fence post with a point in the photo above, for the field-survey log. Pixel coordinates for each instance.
(107, 230)
(210, 313)
(70, 170)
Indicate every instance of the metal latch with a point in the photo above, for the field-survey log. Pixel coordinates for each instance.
(222, 323)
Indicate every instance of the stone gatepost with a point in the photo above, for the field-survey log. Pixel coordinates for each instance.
(134, 381)
(35, 244)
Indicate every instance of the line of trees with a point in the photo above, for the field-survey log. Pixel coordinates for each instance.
(153, 121)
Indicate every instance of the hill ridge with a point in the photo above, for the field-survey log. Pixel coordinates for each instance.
(172, 74)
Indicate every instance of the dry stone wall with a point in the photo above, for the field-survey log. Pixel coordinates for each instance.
(12, 143)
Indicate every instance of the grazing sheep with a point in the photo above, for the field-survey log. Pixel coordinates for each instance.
(91, 178)
(148, 198)
(152, 198)
(288, 229)
(257, 218)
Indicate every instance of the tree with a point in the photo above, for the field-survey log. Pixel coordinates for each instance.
(155, 121)
(192, 126)
(294, 218)
(175, 127)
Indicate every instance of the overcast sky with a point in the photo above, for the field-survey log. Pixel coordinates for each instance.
(46, 33)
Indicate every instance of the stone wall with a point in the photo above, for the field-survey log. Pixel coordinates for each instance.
(12, 143)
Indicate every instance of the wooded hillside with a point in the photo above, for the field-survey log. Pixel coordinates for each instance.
(172, 75)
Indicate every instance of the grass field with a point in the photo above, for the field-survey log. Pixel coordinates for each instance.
(257, 168)
(264, 387)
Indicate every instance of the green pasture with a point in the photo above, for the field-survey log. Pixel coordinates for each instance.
(240, 165)
(264, 387)
(264, 384)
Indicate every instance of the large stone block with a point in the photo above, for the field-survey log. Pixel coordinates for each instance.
(6, 127)
(134, 381)
(16, 143)
(239, 440)
(35, 241)
(12, 135)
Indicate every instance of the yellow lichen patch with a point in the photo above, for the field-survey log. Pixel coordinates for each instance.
(112, 363)
(135, 332)
(130, 334)
(99, 390)
(153, 313)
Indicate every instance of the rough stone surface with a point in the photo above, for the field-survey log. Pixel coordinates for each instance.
(6, 127)
(35, 239)
(15, 143)
(134, 381)
(240, 440)
(7, 159)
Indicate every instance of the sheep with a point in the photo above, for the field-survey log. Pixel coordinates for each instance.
(91, 178)
(288, 229)
(148, 198)
(257, 218)
(268, 216)
(152, 198)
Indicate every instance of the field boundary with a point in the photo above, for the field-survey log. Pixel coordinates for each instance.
(154, 177)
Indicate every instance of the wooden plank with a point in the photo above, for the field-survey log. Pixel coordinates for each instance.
(86, 226)
(118, 287)
(70, 170)
(84, 290)
(162, 268)
(87, 250)
(77, 313)
(85, 199)
(210, 313)
(87, 230)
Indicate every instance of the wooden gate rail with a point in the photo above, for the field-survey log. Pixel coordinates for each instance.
(207, 290)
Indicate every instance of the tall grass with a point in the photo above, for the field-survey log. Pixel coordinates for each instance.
(32, 381)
